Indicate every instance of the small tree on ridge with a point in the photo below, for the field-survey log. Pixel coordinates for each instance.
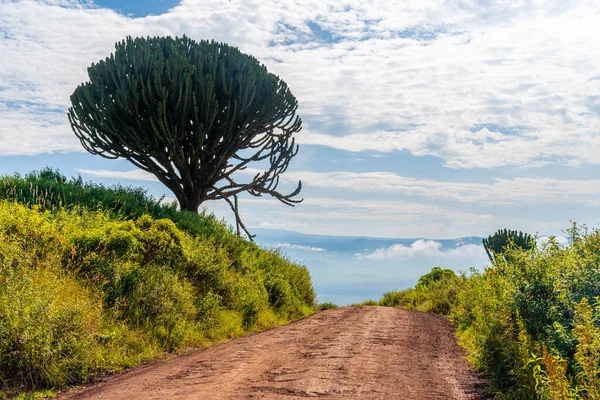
(496, 244)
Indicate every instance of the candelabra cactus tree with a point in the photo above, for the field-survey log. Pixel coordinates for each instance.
(194, 114)
(496, 244)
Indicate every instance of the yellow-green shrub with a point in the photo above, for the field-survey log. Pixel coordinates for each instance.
(525, 321)
(435, 292)
(164, 304)
(48, 324)
(82, 293)
(327, 306)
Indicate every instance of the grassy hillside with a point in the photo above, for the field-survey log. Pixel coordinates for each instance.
(50, 190)
(531, 323)
(92, 280)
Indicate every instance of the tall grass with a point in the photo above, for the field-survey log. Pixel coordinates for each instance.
(531, 323)
(91, 283)
(49, 190)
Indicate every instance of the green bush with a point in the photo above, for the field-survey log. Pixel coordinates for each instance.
(47, 328)
(367, 303)
(83, 292)
(436, 275)
(48, 189)
(435, 292)
(327, 306)
(163, 304)
(526, 321)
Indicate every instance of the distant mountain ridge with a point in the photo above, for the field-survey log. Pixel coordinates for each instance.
(348, 244)
(349, 269)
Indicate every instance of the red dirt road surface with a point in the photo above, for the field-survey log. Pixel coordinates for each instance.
(347, 353)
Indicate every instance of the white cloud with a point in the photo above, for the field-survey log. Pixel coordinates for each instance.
(499, 191)
(290, 246)
(31, 132)
(341, 216)
(168, 200)
(515, 192)
(561, 240)
(478, 84)
(426, 249)
(136, 174)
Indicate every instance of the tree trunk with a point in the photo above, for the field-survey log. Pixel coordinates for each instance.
(188, 204)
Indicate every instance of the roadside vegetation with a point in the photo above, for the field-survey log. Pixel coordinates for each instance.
(327, 306)
(96, 279)
(530, 321)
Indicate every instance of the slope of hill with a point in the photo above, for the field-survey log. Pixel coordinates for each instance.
(85, 292)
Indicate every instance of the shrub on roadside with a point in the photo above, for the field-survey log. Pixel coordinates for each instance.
(49, 190)
(48, 322)
(531, 321)
(83, 293)
(367, 303)
(327, 306)
(435, 292)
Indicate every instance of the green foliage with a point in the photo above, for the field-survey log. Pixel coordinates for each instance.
(552, 375)
(496, 244)
(327, 306)
(83, 293)
(367, 303)
(587, 351)
(50, 190)
(435, 292)
(47, 327)
(34, 395)
(437, 274)
(163, 304)
(525, 320)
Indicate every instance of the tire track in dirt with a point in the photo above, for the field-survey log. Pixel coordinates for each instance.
(346, 353)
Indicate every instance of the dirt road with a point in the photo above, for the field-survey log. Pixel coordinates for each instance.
(347, 353)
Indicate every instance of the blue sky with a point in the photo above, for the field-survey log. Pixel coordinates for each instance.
(422, 118)
(138, 9)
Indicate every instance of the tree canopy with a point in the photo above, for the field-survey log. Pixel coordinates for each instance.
(435, 275)
(496, 244)
(194, 114)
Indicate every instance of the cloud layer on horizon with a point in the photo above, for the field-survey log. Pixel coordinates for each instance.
(497, 192)
(428, 249)
(291, 246)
